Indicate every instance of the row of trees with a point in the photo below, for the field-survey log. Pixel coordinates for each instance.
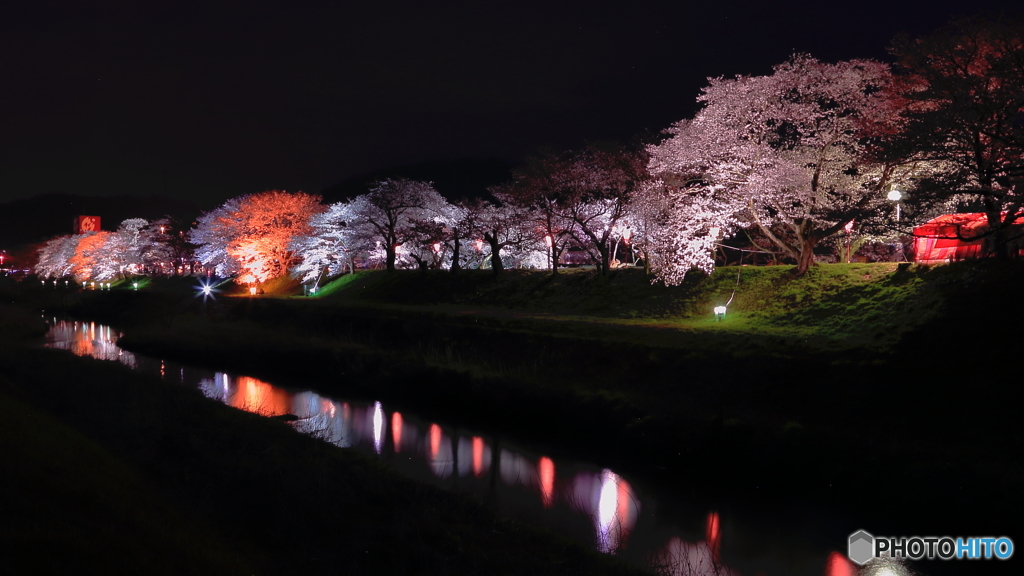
(814, 149)
(137, 247)
(795, 157)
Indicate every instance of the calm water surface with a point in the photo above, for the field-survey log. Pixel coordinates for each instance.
(592, 504)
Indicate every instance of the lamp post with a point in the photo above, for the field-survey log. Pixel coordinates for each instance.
(895, 196)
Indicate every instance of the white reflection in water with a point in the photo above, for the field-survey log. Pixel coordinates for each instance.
(378, 427)
(683, 558)
(517, 470)
(610, 502)
(322, 418)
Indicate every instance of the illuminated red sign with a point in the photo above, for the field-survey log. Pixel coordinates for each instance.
(85, 224)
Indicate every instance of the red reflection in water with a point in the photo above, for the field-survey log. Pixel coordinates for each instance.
(396, 431)
(625, 501)
(257, 396)
(839, 565)
(547, 481)
(435, 440)
(712, 534)
(478, 455)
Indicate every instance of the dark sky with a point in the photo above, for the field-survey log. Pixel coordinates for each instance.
(211, 99)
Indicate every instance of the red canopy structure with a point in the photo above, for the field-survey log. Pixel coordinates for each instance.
(942, 239)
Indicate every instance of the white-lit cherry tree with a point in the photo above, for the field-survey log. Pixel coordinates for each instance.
(329, 247)
(389, 212)
(503, 227)
(54, 257)
(791, 148)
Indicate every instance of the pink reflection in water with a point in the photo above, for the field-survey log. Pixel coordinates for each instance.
(440, 452)
(712, 533)
(839, 565)
(478, 456)
(435, 440)
(396, 431)
(547, 481)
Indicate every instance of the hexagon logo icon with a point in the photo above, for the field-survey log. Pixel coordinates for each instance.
(861, 547)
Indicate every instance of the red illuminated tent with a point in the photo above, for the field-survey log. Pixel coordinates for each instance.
(943, 239)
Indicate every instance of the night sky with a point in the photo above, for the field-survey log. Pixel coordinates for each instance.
(212, 99)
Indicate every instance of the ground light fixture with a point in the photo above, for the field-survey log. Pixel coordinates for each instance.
(719, 313)
(135, 285)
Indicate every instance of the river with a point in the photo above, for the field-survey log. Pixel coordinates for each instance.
(595, 505)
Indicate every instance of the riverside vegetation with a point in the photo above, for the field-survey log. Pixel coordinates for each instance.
(880, 391)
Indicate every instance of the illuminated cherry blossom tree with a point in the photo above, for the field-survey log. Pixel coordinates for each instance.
(161, 248)
(792, 147)
(502, 226)
(55, 257)
(389, 213)
(538, 187)
(329, 247)
(676, 226)
(91, 260)
(598, 185)
(251, 236)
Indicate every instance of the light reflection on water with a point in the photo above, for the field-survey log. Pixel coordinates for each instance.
(579, 500)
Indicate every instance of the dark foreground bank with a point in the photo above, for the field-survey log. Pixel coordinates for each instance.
(105, 470)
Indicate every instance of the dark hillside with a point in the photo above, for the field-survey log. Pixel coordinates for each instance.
(42, 217)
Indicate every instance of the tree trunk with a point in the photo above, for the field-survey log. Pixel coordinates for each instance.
(455, 255)
(806, 258)
(390, 251)
(496, 264)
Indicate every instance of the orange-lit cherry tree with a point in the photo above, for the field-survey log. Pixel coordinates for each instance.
(87, 262)
(249, 236)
